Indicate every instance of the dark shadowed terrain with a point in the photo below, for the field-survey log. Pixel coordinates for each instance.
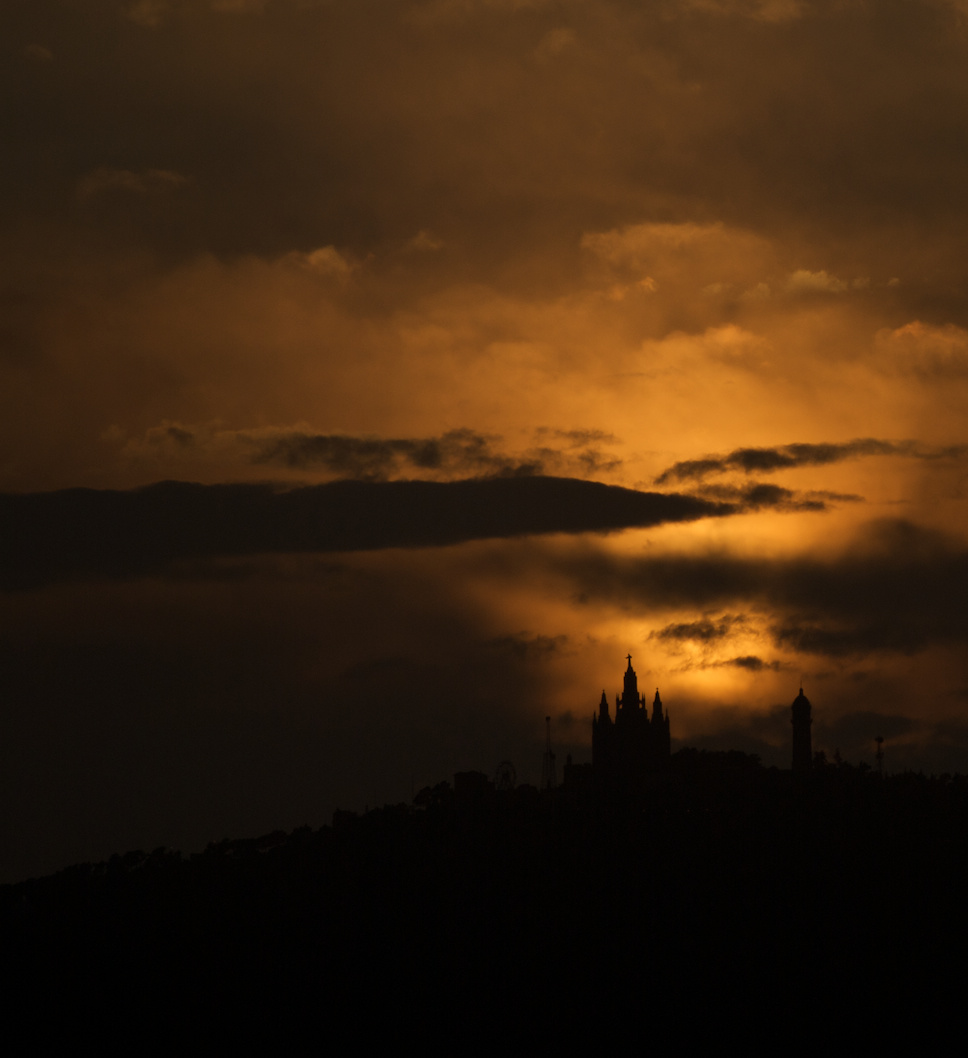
(732, 897)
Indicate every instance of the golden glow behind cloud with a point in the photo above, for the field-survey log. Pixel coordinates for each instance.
(395, 240)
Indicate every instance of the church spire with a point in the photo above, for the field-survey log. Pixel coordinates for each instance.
(603, 707)
(801, 720)
(630, 692)
(633, 746)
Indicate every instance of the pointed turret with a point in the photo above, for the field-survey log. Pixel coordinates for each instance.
(656, 707)
(603, 708)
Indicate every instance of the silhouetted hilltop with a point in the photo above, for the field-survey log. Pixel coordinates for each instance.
(730, 880)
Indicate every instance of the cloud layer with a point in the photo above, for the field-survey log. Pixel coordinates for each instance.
(51, 536)
(703, 260)
(786, 457)
(896, 589)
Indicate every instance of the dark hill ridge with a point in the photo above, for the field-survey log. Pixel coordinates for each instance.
(730, 881)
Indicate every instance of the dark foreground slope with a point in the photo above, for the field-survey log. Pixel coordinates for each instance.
(731, 897)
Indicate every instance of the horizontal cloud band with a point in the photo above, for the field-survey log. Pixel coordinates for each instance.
(899, 588)
(55, 536)
(784, 457)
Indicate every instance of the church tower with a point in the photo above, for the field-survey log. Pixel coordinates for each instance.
(631, 701)
(628, 750)
(801, 720)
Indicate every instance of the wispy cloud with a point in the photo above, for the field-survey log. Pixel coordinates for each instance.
(784, 457)
(456, 453)
(705, 630)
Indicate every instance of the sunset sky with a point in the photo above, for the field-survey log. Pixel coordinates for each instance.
(300, 258)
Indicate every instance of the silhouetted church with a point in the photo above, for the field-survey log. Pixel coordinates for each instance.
(626, 750)
(801, 720)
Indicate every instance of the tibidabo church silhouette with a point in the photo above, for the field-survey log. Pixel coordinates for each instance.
(801, 720)
(626, 750)
(634, 746)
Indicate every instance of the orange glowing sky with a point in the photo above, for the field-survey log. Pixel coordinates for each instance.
(707, 247)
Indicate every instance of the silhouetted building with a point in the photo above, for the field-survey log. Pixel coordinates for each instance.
(626, 750)
(801, 720)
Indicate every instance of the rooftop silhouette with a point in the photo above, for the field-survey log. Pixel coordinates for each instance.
(486, 897)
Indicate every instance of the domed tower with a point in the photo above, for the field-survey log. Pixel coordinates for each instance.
(801, 720)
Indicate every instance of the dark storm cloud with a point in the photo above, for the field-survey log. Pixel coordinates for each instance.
(762, 494)
(703, 631)
(87, 533)
(313, 124)
(899, 589)
(783, 457)
(826, 496)
(579, 437)
(581, 448)
(749, 662)
(884, 633)
(457, 451)
(752, 663)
